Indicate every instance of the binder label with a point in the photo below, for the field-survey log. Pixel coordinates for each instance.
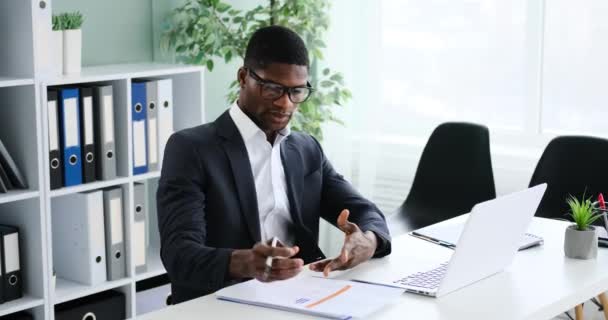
(108, 119)
(140, 243)
(139, 143)
(88, 120)
(53, 127)
(11, 252)
(152, 145)
(116, 214)
(70, 110)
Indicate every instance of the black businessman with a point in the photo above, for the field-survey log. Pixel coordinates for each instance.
(230, 186)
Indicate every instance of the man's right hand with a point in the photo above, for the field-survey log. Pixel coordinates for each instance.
(251, 263)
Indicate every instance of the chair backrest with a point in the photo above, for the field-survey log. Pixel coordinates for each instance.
(455, 170)
(571, 165)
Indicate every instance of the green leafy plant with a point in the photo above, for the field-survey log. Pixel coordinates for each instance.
(57, 23)
(204, 31)
(71, 20)
(583, 212)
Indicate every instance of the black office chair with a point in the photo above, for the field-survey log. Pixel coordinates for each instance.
(571, 165)
(454, 174)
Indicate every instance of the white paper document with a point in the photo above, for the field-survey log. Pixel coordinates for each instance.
(329, 298)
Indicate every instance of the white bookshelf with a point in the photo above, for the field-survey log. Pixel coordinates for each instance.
(67, 290)
(15, 82)
(25, 303)
(17, 195)
(24, 81)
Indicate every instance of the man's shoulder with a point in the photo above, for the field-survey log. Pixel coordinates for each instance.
(200, 135)
(305, 142)
(302, 138)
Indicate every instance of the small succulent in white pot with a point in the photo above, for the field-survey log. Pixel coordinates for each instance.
(581, 237)
(72, 42)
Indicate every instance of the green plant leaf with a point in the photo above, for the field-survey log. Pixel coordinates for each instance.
(198, 31)
(583, 212)
(223, 7)
(228, 56)
(326, 84)
(337, 77)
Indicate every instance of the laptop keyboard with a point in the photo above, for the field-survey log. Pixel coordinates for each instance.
(429, 279)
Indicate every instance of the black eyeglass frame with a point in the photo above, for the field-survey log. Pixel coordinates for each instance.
(284, 89)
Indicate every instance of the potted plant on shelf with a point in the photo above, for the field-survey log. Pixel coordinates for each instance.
(581, 237)
(72, 41)
(57, 45)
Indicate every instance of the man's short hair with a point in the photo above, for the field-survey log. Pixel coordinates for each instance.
(275, 44)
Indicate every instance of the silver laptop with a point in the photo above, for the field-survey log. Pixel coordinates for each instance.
(504, 220)
(448, 232)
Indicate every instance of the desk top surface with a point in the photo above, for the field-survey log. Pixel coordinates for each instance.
(539, 284)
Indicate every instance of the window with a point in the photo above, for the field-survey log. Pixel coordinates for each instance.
(575, 67)
(446, 60)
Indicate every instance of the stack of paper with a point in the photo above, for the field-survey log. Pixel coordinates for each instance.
(329, 298)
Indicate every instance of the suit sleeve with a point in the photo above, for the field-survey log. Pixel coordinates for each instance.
(181, 220)
(338, 194)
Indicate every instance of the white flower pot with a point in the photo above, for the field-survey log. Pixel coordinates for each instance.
(580, 244)
(56, 56)
(72, 51)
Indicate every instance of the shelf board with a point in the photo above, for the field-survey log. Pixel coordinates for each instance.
(24, 303)
(67, 290)
(16, 195)
(88, 186)
(123, 71)
(14, 82)
(155, 265)
(146, 176)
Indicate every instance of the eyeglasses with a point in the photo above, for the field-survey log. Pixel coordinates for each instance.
(273, 91)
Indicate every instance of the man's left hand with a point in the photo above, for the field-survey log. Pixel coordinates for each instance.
(358, 247)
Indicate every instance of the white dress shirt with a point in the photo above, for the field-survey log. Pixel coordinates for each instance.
(269, 177)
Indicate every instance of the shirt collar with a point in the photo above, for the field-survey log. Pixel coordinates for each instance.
(249, 129)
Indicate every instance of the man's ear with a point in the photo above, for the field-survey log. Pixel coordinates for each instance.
(241, 76)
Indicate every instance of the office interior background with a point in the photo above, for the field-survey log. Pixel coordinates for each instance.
(530, 70)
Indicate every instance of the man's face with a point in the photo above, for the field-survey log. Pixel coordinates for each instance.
(269, 114)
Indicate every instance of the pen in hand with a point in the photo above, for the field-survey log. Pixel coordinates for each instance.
(273, 244)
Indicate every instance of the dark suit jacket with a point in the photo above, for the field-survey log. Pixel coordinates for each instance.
(207, 204)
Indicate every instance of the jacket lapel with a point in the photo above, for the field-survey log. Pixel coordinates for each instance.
(294, 176)
(241, 170)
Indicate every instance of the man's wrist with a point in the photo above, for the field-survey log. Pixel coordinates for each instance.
(239, 266)
(371, 236)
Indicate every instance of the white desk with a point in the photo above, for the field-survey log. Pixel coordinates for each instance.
(540, 283)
